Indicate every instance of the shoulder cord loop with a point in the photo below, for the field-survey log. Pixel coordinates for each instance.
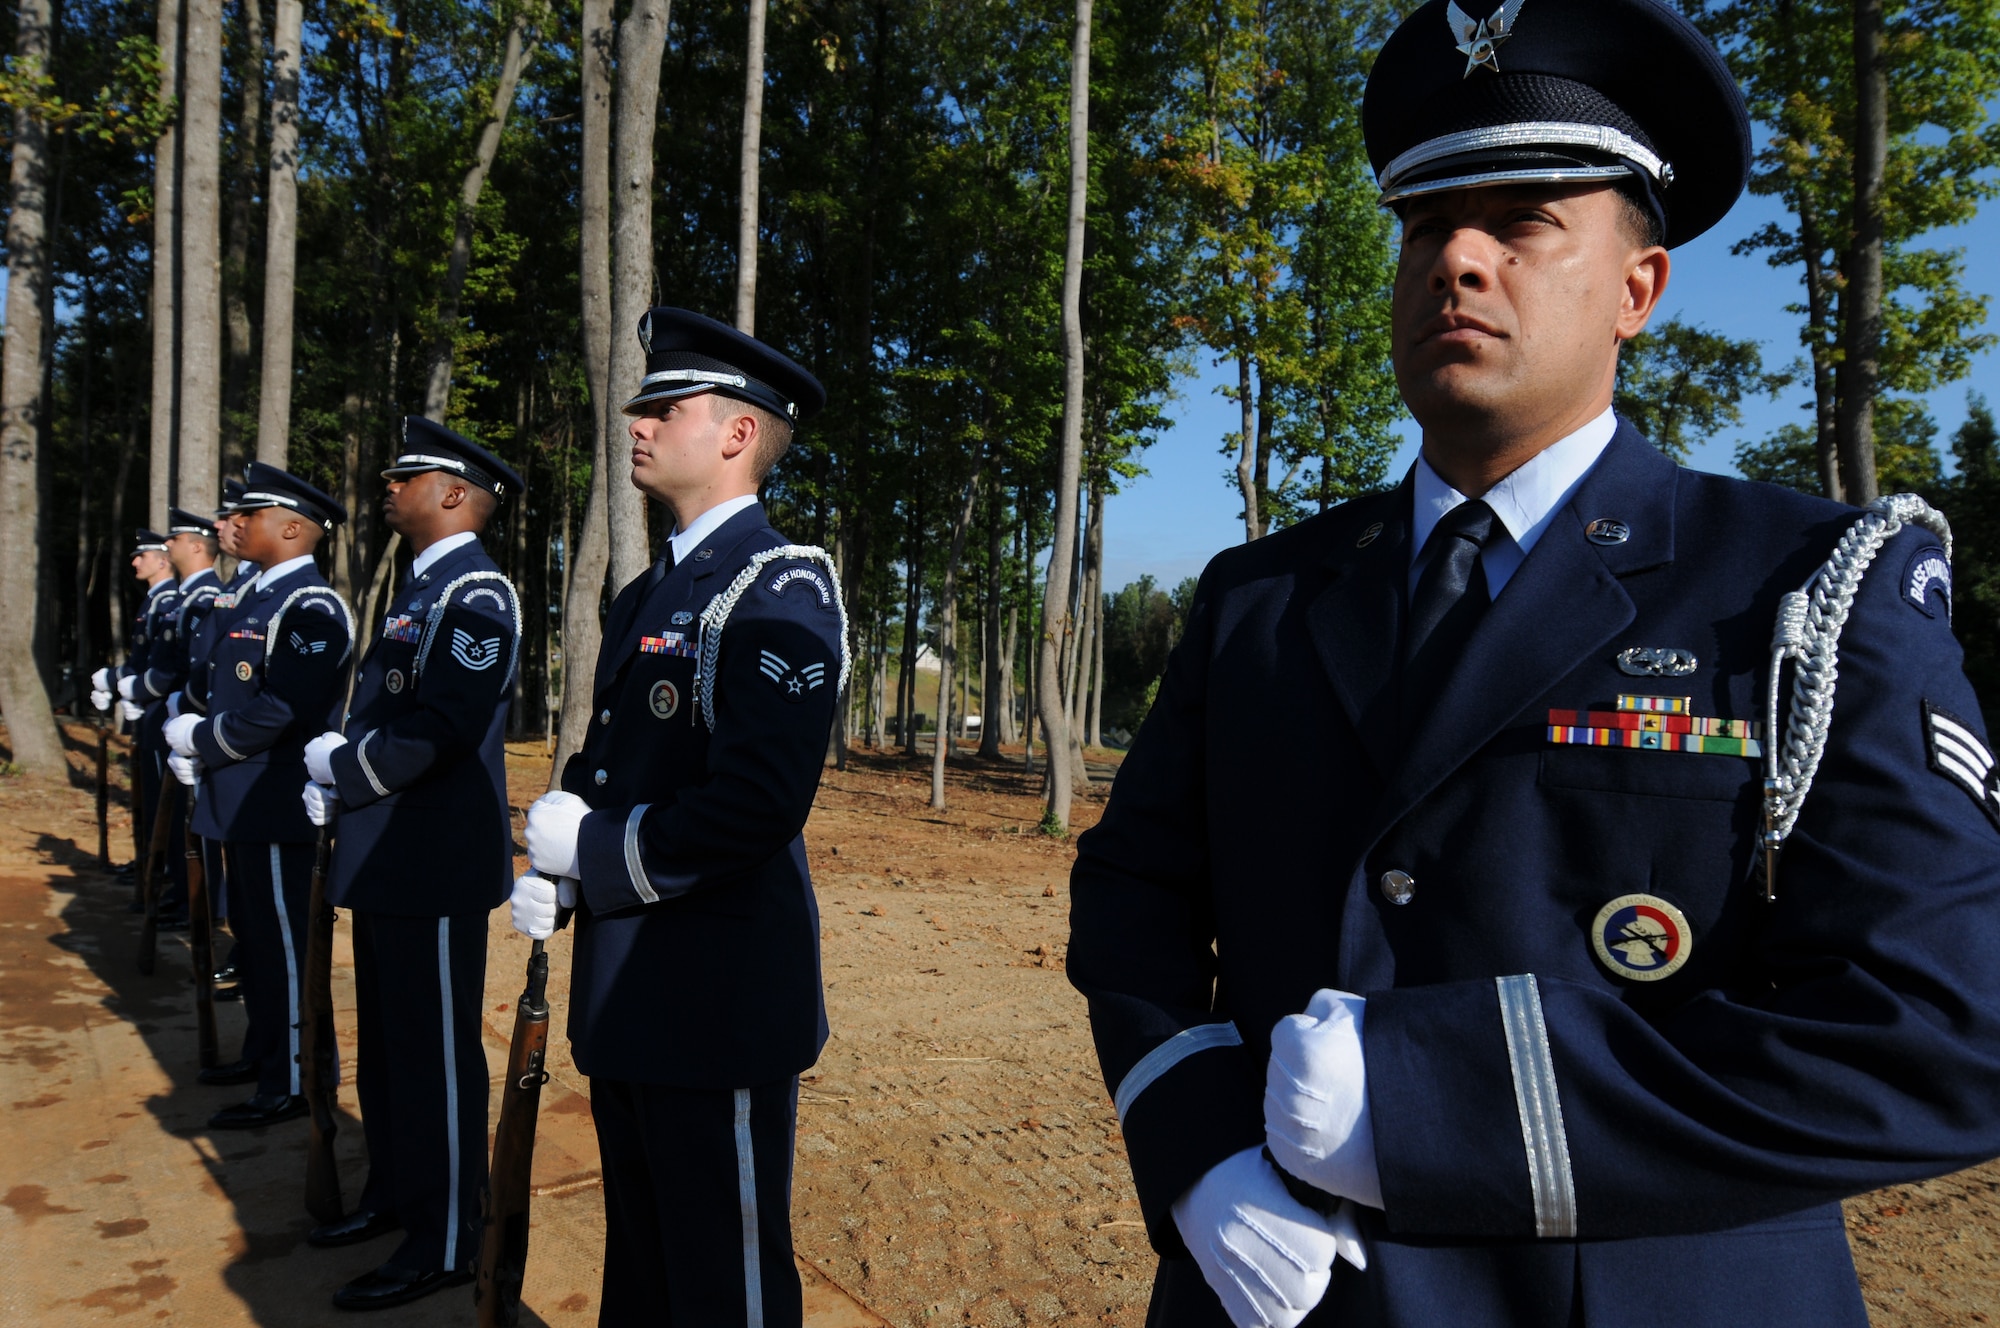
(1807, 633)
(437, 616)
(717, 613)
(271, 632)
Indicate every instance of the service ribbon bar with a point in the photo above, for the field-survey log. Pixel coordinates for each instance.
(1652, 740)
(673, 643)
(1658, 723)
(1656, 705)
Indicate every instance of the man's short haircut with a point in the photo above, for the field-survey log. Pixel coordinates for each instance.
(774, 432)
(1640, 221)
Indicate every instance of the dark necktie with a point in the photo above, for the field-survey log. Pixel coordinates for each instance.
(1450, 600)
(658, 571)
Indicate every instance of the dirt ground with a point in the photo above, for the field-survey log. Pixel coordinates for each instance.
(958, 1159)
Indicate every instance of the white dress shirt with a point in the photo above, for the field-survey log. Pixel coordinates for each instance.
(1524, 502)
(686, 541)
(426, 560)
(282, 570)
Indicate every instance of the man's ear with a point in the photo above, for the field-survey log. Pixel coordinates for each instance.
(1645, 286)
(454, 494)
(740, 436)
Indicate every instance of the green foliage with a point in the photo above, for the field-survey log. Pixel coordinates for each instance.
(1679, 384)
(1905, 453)
(1795, 60)
(1971, 499)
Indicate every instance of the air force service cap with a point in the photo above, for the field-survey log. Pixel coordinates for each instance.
(148, 541)
(1626, 92)
(267, 486)
(232, 494)
(687, 353)
(429, 446)
(180, 521)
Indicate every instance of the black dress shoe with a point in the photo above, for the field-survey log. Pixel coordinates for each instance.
(227, 973)
(390, 1285)
(236, 1072)
(259, 1111)
(225, 993)
(356, 1227)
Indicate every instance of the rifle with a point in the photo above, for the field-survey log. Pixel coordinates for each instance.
(318, 1056)
(149, 891)
(104, 796)
(503, 1248)
(201, 923)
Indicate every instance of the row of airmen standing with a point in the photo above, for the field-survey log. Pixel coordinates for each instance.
(676, 838)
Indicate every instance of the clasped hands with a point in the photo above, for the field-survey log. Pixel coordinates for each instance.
(322, 803)
(1268, 1257)
(554, 821)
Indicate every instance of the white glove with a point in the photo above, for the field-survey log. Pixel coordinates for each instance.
(534, 906)
(1316, 1119)
(322, 803)
(130, 713)
(128, 688)
(179, 733)
(100, 698)
(174, 706)
(100, 681)
(1267, 1257)
(319, 757)
(187, 769)
(553, 823)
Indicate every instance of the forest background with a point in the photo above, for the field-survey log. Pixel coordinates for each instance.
(271, 228)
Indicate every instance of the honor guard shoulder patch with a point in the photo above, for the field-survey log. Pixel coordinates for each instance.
(1954, 750)
(791, 576)
(1927, 581)
(474, 654)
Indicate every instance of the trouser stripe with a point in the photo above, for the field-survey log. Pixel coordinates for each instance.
(746, 1192)
(291, 964)
(450, 1094)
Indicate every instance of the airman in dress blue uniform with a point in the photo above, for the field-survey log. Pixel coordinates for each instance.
(423, 851)
(119, 685)
(191, 549)
(1440, 954)
(277, 676)
(695, 994)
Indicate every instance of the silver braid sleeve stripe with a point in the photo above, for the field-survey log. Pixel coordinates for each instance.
(1810, 621)
(716, 615)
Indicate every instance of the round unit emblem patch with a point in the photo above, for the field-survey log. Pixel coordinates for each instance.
(243, 670)
(1641, 937)
(665, 699)
(394, 682)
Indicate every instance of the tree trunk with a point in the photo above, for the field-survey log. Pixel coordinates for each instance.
(948, 631)
(24, 698)
(582, 627)
(1093, 661)
(437, 392)
(1246, 453)
(115, 602)
(1819, 317)
(642, 43)
(166, 264)
(281, 240)
(199, 465)
(1055, 599)
(993, 699)
(236, 251)
(747, 182)
(1862, 301)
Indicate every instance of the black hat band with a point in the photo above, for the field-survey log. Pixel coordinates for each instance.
(1399, 178)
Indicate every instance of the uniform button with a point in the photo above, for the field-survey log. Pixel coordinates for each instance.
(1398, 887)
(601, 777)
(604, 716)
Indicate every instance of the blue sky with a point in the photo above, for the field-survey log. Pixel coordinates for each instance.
(1170, 521)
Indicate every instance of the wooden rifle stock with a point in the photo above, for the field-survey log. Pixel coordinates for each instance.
(503, 1249)
(318, 1056)
(149, 885)
(201, 940)
(104, 795)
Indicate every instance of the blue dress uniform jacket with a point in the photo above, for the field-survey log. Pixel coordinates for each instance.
(172, 655)
(266, 697)
(697, 954)
(201, 646)
(152, 634)
(423, 828)
(1557, 1145)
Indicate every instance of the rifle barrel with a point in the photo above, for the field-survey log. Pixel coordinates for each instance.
(503, 1250)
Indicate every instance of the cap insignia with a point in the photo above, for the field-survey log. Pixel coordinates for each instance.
(1478, 39)
(646, 332)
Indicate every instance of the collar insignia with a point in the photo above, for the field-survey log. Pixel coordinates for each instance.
(1478, 39)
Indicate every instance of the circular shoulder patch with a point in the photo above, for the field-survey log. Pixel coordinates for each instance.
(243, 670)
(1641, 937)
(664, 699)
(394, 682)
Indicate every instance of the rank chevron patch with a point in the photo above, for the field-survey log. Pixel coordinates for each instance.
(793, 683)
(1957, 753)
(474, 654)
(305, 647)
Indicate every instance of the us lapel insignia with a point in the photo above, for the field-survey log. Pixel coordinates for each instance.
(1657, 662)
(1369, 536)
(1607, 531)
